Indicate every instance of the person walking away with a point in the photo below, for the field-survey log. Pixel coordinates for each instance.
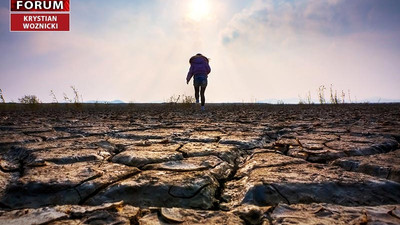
(199, 68)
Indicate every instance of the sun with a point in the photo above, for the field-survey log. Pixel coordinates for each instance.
(199, 10)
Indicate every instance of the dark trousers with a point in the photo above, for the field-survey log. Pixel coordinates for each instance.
(200, 89)
(200, 84)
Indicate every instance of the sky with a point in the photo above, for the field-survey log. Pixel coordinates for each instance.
(259, 50)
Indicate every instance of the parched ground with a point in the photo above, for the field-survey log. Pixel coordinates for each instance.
(173, 164)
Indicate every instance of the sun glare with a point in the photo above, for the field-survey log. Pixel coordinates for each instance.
(199, 10)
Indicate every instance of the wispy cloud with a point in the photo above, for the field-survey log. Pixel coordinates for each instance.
(312, 17)
(295, 46)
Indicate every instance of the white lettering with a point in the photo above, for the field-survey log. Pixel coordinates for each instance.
(28, 5)
(19, 4)
(40, 5)
(58, 5)
(48, 6)
(40, 18)
(40, 26)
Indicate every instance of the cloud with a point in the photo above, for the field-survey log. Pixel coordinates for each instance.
(285, 48)
(313, 17)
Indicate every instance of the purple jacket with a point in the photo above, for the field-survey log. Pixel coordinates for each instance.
(198, 66)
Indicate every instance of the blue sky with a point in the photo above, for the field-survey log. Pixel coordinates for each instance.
(260, 50)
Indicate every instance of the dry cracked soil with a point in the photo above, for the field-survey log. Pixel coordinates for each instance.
(173, 164)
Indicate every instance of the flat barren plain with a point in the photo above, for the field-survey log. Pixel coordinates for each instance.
(173, 164)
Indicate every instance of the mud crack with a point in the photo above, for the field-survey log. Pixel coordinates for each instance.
(184, 154)
(104, 186)
(280, 194)
(189, 196)
(222, 183)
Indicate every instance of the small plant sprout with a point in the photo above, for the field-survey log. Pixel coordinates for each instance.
(309, 101)
(348, 91)
(53, 96)
(343, 97)
(334, 96)
(337, 100)
(185, 99)
(76, 95)
(174, 99)
(321, 94)
(29, 99)
(301, 101)
(66, 98)
(2, 96)
(188, 99)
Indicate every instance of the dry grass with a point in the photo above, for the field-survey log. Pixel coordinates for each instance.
(29, 99)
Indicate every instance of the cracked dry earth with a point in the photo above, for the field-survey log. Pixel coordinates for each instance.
(172, 164)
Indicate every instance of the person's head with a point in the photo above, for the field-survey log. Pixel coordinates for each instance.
(198, 55)
(201, 55)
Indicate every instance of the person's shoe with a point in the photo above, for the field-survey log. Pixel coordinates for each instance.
(203, 108)
(197, 101)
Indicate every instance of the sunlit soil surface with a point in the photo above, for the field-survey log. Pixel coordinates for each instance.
(173, 163)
